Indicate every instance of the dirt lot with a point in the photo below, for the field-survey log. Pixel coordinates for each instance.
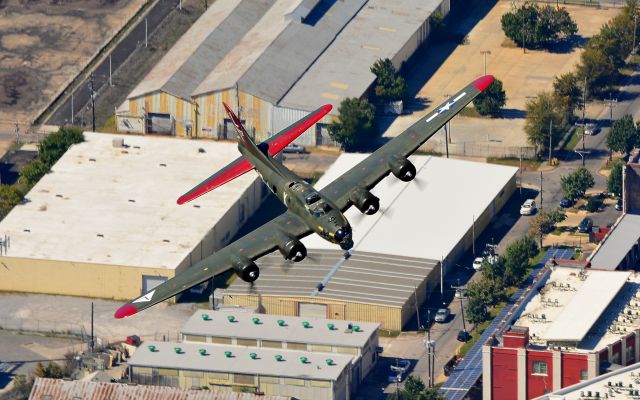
(44, 44)
(444, 70)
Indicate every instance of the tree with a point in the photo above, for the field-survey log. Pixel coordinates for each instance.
(516, 259)
(491, 100)
(541, 113)
(477, 305)
(545, 222)
(567, 93)
(540, 26)
(9, 198)
(575, 185)
(54, 145)
(493, 271)
(623, 136)
(389, 85)
(413, 387)
(355, 126)
(31, 173)
(614, 183)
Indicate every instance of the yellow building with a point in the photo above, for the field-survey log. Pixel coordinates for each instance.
(105, 223)
(273, 61)
(399, 253)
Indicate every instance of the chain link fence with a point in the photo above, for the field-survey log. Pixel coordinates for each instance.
(482, 150)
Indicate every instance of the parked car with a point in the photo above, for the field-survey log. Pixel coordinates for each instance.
(294, 148)
(585, 225)
(477, 263)
(619, 205)
(442, 315)
(463, 336)
(591, 129)
(528, 208)
(566, 203)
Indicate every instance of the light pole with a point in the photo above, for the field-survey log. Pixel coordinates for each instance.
(484, 53)
(584, 127)
(610, 103)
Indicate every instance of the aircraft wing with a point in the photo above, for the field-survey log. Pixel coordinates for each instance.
(241, 166)
(252, 246)
(371, 170)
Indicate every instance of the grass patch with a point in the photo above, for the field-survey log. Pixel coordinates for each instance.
(480, 328)
(527, 165)
(570, 144)
(388, 333)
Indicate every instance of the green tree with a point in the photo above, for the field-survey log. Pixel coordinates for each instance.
(54, 371)
(10, 196)
(541, 26)
(40, 371)
(541, 115)
(31, 173)
(623, 136)
(545, 222)
(614, 183)
(21, 388)
(567, 93)
(520, 22)
(493, 271)
(54, 145)
(491, 100)
(575, 185)
(482, 294)
(389, 85)
(413, 387)
(355, 127)
(516, 259)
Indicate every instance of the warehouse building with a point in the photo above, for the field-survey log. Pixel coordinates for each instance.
(281, 372)
(577, 325)
(105, 223)
(274, 61)
(62, 389)
(425, 226)
(360, 340)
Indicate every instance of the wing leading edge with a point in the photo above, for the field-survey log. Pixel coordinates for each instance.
(252, 246)
(371, 170)
(241, 166)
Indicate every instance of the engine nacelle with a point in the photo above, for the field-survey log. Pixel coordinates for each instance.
(246, 269)
(292, 249)
(365, 201)
(402, 169)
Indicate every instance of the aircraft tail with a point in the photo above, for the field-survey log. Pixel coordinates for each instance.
(244, 140)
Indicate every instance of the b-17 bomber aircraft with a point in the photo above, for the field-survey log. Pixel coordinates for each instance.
(308, 210)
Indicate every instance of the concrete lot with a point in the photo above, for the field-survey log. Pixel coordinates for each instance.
(523, 75)
(44, 44)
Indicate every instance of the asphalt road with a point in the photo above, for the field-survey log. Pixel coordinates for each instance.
(119, 54)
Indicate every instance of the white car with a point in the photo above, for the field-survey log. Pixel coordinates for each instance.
(528, 208)
(477, 263)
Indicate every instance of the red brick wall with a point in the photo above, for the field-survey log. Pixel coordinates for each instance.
(504, 373)
(572, 365)
(538, 384)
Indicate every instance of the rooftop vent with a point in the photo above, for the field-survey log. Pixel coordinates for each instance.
(136, 147)
(329, 361)
(132, 201)
(152, 348)
(231, 318)
(26, 230)
(178, 350)
(99, 235)
(256, 320)
(304, 360)
(306, 324)
(228, 354)
(59, 195)
(331, 327)
(253, 356)
(163, 164)
(117, 142)
(166, 240)
(196, 206)
(206, 317)
(279, 357)
(201, 150)
(92, 159)
(203, 352)
(281, 322)
(356, 328)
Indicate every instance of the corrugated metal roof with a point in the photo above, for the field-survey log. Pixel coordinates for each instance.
(365, 277)
(58, 389)
(268, 328)
(202, 47)
(215, 360)
(619, 242)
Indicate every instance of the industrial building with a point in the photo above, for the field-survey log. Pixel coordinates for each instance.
(424, 226)
(623, 383)
(274, 61)
(620, 249)
(282, 372)
(321, 335)
(104, 222)
(61, 389)
(577, 324)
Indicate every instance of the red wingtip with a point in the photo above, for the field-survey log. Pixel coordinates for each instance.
(181, 200)
(326, 108)
(483, 82)
(125, 311)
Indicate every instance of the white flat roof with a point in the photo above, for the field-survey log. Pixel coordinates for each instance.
(268, 328)
(425, 218)
(598, 290)
(617, 244)
(216, 360)
(619, 383)
(127, 195)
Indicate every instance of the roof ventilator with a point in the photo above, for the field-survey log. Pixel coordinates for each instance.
(279, 357)
(331, 327)
(206, 317)
(256, 321)
(231, 318)
(306, 324)
(253, 356)
(304, 360)
(329, 361)
(203, 352)
(228, 354)
(178, 350)
(281, 322)
(152, 348)
(356, 328)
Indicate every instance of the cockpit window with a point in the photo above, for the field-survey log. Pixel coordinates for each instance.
(312, 198)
